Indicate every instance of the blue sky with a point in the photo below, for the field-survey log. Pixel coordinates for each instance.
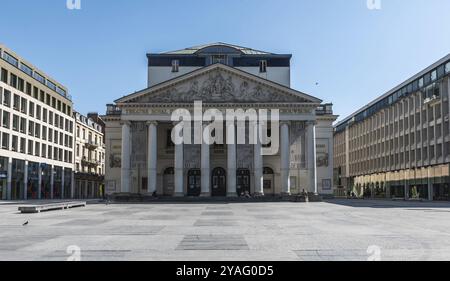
(354, 53)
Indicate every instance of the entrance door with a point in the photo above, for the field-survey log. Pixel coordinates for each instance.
(169, 186)
(194, 183)
(219, 182)
(242, 181)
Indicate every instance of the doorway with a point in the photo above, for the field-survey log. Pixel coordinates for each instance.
(168, 182)
(219, 182)
(242, 181)
(194, 183)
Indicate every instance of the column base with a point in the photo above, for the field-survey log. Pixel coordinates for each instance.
(205, 194)
(258, 194)
(178, 195)
(232, 194)
(285, 194)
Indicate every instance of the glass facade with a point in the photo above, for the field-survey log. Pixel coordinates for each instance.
(67, 182)
(3, 177)
(57, 182)
(46, 181)
(17, 179)
(33, 180)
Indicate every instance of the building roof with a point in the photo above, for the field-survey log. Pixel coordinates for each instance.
(395, 89)
(195, 49)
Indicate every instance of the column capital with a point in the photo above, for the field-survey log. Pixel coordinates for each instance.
(311, 122)
(124, 122)
(285, 123)
(149, 123)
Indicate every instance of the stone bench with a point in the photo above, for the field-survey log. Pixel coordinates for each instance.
(50, 207)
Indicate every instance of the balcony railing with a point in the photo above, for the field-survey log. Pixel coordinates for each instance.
(114, 110)
(90, 162)
(91, 144)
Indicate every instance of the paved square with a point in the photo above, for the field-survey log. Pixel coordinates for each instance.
(333, 230)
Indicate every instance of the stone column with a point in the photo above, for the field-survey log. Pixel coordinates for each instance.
(63, 196)
(285, 163)
(152, 156)
(72, 185)
(206, 168)
(179, 170)
(9, 180)
(126, 157)
(312, 165)
(258, 166)
(25, 180)
(231, 160)
(40, 181)
(430, 189)
(52, 179)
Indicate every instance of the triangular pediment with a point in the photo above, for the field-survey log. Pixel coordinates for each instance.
(218, 84)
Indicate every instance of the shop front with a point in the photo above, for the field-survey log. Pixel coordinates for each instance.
(46, 182)
(33, 181)
(17, 179)
(3, 178)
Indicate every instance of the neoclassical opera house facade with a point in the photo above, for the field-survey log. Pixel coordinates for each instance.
(143, 159)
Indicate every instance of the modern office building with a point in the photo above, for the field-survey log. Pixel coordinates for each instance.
(398, 146)
(142, 159)
(36, 132)
(89, 156)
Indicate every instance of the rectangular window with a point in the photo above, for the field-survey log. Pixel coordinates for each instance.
(31, 109)
(15, 124)
(37, 132)
(11, 59)
(50, 135)
(26, 69)
(49, 152)
(28, 89)
(23, 105)
(50, 118)
(5, 141)
(16, 102)
(6, 98)
(13, 80)
(44, 132)
(30, 147)
(21, 85)
(44, 115)
(22, 145)
(5, 119)
(38, 112)
(44, 150)
(4, 76)
(447, 67)
(15, 144)
(35, 92)
(31, 128)
(51, 85)
(39, 77)
(175, 65)
(42, 96)
(23, 125)
(37, 149)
